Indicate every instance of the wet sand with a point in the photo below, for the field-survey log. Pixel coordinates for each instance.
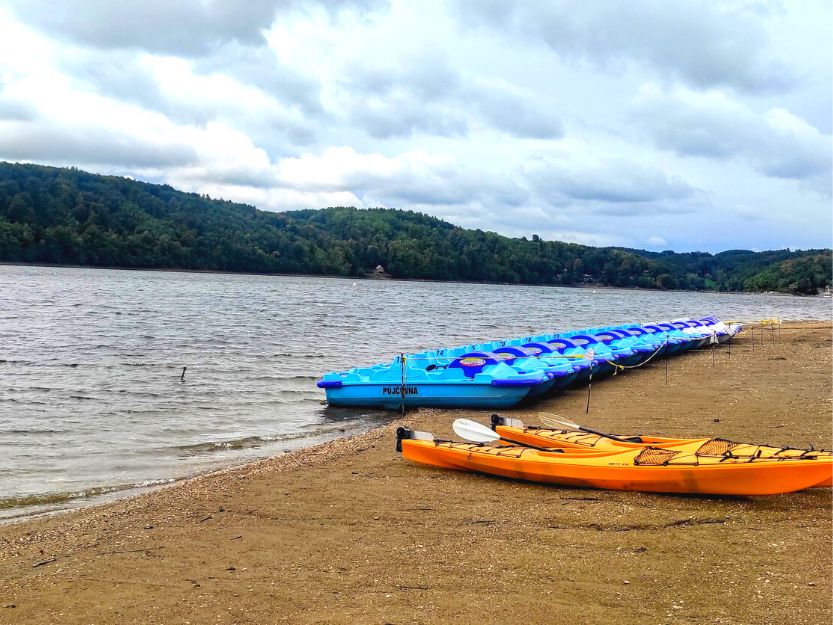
(349, 532)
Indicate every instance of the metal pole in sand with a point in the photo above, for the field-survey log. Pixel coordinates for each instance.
(402, 388)
(589, 386)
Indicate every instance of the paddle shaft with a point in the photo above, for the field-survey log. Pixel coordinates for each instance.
(581, 428)
(602, 434)
(519, 443)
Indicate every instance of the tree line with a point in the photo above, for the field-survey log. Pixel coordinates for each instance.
(67, 216)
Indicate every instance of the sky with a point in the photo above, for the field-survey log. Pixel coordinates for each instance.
(685, 125)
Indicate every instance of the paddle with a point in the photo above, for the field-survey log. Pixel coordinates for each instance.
(548, 419)
(478, 433)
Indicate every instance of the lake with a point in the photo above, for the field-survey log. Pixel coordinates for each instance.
(92, 400)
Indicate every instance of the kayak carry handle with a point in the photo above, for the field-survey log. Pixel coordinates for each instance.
(403, 433)
(497, 420)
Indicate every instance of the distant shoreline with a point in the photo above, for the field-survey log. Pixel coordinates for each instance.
(128, 224)
(396, 279)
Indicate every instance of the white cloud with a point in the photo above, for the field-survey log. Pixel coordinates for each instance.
(343, 166)
(631, 124)
(187, 27)
(614, 187)
(585, 238)
(714, 125)
(701, 43)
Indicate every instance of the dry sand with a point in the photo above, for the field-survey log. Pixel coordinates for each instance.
(349, 532)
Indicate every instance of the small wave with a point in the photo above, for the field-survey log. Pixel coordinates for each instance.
(240, 443)
(148, 483)
(35, 431)
(45, 499)
(31, 363)
(82, 397)
(25, 402)
(251, 442)
(281, 378)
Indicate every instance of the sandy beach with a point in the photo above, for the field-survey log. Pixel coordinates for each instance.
(349, 532)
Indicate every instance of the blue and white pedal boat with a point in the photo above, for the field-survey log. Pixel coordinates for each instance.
(470, 382)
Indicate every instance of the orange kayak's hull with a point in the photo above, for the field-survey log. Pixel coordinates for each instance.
(616, 471)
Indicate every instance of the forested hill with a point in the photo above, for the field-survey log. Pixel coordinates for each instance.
(67, 216)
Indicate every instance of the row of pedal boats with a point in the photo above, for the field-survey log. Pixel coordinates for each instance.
(578, 457)
(502, 374)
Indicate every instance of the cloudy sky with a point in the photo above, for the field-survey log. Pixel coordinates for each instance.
(662, 125)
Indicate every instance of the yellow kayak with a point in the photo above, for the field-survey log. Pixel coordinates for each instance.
(517, 431)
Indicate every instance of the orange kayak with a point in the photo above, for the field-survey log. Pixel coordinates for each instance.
(648, 469)
(517, 431)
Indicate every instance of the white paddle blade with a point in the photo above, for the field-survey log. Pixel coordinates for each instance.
(550, 420)
(473, 431)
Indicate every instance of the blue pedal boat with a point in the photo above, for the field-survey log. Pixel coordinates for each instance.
(688, 341)
(583, 361)
(695, 330)
(472, 381)
(723, 332)
(674, 344)
(641, 351)
(560, 372)
(699, 335)
(657, 340)
(609, 355)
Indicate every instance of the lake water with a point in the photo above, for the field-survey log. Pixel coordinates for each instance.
(91, 397)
